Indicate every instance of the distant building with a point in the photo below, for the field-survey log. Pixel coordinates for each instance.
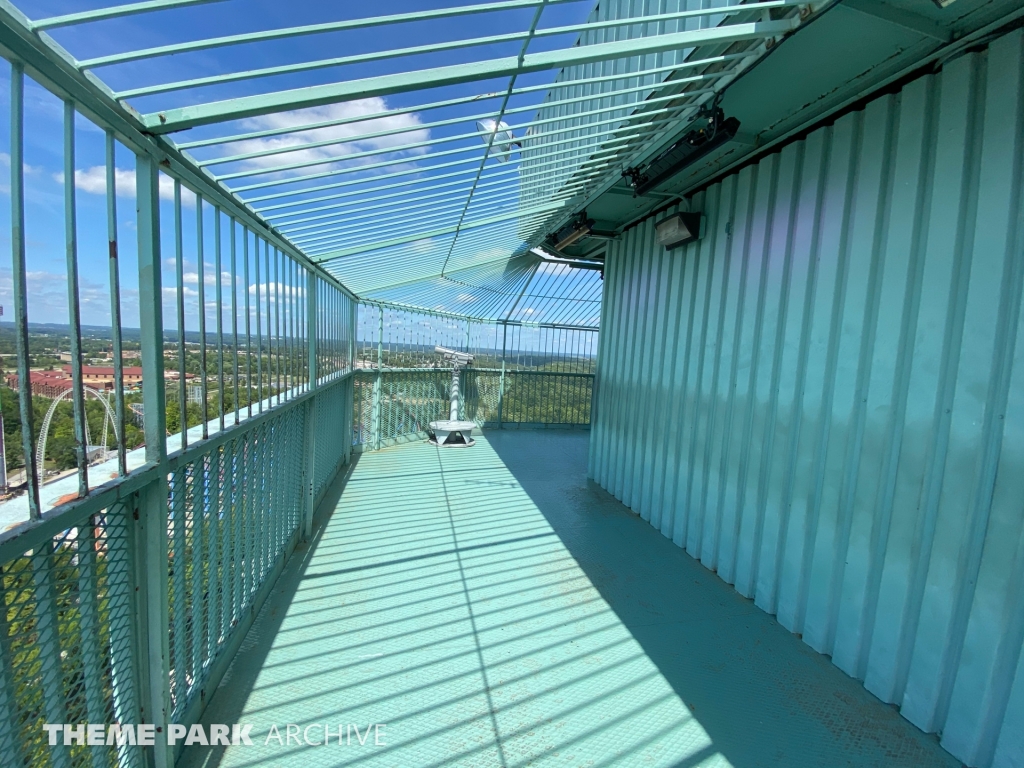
(44, 383)
(102, 377)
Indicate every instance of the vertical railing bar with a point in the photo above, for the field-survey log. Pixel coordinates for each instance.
(293, 276)
(271, 347)
(259, 324)
(179, 269)
(152, 527)
(277, 320)
(115, 306)
(248, 318)
(220, 317)
(201, 271)
(20, 285)
(234, 308)
(289, 339)
(74, 311)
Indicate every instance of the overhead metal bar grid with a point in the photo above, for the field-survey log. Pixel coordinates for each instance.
(392, 156)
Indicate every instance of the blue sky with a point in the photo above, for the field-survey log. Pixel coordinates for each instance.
(43, 153)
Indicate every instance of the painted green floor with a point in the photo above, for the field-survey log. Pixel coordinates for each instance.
(494, 608)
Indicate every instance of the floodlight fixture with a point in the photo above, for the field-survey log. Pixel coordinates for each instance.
(679, 229)
(575, 230)
(714, 131)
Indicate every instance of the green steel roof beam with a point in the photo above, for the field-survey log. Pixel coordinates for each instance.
(398, 220)
(423, 235)
(626, 107)
(357, 169)
(420, 170)
(339, 185)
(385, 85)
(406, 235)
(557, 86)
(517, 192)
(397, 185)
(262, 171)
(363, 58)
(466, 119)
(112, 12)
(310, 29)
(385, 221)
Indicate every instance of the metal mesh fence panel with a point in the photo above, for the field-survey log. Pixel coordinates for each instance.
(66, 644)
(481, 395)
(547, 398)
(232, 513)
(409, 401)
(333, 438)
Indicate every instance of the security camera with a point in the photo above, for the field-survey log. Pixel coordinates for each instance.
(452, 356)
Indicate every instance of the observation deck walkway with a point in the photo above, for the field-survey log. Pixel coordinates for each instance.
(492, 607)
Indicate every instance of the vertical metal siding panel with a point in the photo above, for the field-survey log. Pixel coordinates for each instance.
(645, 365)
(608, 367)
(653, 446)
(670, 412)
(689, 525)
(632, 280)
(778, 275)
(840, 380)
(638, 361)
(985, 667)
(757, 272)
(718, 217)
(940, 535)
(788, 369)
(712, 435)
(732, 278)
(673, 520)
(636, 269)
(790, 553)
(836, 423)
(979, 393)
(904, 255)
(860, 484)
(747, 189)
(609, 362)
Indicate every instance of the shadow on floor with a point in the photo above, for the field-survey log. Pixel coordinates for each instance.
(494, 608)
(764, 697)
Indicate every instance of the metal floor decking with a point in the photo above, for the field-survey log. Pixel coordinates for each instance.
(494, 608)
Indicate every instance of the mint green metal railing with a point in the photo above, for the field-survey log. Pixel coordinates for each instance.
(395, 406)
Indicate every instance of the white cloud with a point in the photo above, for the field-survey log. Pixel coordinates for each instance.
(93, 181)
(334, 152)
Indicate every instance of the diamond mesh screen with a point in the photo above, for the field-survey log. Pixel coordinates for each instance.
(333, 438)
(232, 512)
(66, 644)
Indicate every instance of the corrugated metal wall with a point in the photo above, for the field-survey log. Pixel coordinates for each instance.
(824, 399)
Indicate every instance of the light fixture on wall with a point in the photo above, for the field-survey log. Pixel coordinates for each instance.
(679, 229)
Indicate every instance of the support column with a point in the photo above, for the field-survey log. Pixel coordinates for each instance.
(151, 530)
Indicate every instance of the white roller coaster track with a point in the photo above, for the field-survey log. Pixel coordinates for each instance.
(45, 430)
